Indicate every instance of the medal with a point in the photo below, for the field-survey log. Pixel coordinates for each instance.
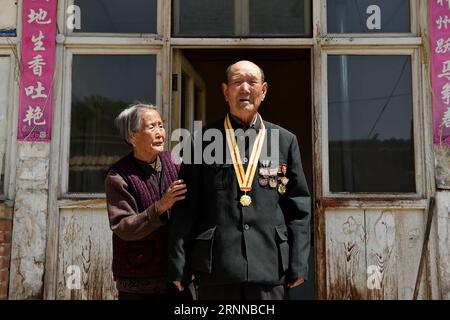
(244, 178)
(273, 172)
(284, 180)
(263, 181)
(283, 169)
(263, 172)
(273, 181)
(245, 200)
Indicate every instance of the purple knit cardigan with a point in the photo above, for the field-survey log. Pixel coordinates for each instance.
(147, 257)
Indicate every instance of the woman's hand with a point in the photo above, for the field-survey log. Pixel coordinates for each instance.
(178, 284)
(173, 194)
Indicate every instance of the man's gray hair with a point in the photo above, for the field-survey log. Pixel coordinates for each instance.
(228, 70)
(129, 121)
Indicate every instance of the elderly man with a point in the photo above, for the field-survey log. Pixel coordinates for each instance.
(243, 230)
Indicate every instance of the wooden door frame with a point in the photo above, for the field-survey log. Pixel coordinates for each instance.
(180, 66)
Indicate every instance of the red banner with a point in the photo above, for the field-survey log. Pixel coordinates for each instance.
(37, 70)
(440, 69)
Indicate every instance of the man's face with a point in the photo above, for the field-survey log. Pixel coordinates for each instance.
(244, 91)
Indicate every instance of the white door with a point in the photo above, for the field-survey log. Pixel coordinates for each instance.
(188, 93)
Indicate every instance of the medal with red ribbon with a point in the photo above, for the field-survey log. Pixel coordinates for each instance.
(244, 177)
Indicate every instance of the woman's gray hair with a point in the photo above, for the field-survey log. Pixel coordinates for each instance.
(129, 121)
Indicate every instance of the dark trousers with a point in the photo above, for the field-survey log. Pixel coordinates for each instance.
(172, 294)
(242, 291)
(142, 296)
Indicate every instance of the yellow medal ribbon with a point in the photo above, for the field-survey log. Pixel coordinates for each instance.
(245, 178)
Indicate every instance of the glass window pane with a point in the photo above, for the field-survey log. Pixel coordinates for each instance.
(117, 16)
(4, 87)
(203, 17)
(279, 17)
(231, 18)
(370, 124)
(102, 86)
(368, 16)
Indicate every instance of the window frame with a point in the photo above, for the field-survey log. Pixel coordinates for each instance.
(417, 124)
(65, 116)
(320, 44)
(8, 49)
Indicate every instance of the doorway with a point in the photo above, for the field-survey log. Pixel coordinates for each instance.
(288, 103)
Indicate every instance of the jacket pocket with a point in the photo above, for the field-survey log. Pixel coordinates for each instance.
(201, 253)
(283, 246)
(220, 174)
(140, 253)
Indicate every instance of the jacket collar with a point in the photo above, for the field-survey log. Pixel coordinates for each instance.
(154, 167)
(237, 124)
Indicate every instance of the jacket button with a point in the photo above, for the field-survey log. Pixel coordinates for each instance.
(246, 227)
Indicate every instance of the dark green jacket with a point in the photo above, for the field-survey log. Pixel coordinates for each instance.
(212, 236)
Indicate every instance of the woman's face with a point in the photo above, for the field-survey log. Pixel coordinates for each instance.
(149, 141)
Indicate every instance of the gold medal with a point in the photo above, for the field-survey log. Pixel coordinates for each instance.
(263, 181)
(273, 181)
(244, 177)
(284, 180)
(273, 172)
(281, 188)
(283, 169)
(245, 200)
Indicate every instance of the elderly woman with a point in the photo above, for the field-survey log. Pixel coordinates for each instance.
(140, 189)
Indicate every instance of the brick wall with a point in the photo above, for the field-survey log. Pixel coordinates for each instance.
(5, 248)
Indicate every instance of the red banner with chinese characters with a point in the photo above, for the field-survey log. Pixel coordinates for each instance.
(37, 70)
(440, 69)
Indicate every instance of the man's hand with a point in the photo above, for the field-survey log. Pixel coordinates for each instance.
(295, 282)
(178, 285)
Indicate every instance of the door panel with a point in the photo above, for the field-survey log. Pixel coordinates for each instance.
(373, 253)
(345, 254)
(84, 249)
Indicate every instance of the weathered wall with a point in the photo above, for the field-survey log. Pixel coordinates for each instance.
(443, 241)
(8, 14)
(442, 167)
(30, 221)
(442, 223)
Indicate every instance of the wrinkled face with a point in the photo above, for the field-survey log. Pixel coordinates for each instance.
(149, 141)
(244, 91)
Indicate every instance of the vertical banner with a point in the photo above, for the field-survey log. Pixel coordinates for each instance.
(440, 69)
(37, 70)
